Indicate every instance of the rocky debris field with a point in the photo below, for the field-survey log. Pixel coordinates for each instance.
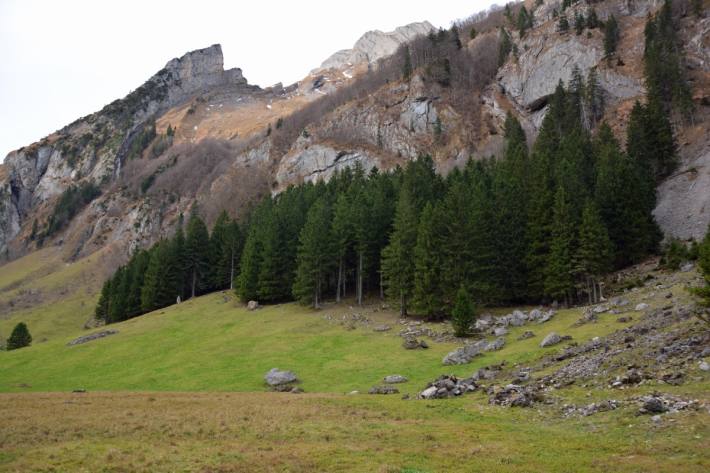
(91, 337)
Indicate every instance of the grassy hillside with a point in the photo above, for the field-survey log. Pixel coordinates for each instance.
(54, 298)
(213, 343)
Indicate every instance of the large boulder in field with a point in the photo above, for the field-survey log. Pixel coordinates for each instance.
(277, 377)
(551, 339)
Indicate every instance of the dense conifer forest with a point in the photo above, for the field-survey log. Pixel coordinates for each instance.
(537, 224)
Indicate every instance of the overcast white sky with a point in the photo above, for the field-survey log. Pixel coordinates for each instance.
(60, 60)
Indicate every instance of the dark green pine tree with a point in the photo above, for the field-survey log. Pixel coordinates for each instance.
(611, 37)
(592, 19)
(650, 140)
(101, 311)
(563, 24)
(510, 196)
(343, 238)
(315, 255)
(704, 264)
(663, 63)
(247, 282)
(19, 338)
(594, 253)
(463, 313)
(217, 250)
(398, 257)
(136, 270)
(197, 255)
(625, 195)
(160, 286)
(231, 253)
(427, 297)
(119, 295)
(559, 271)
(593, 99)
(505, 46)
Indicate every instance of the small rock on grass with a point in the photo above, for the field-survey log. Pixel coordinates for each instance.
(395, 378)
(386, 389)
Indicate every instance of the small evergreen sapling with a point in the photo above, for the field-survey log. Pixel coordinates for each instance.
(19, 338)
(463, 315)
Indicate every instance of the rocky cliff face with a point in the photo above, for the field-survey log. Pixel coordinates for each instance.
(375, 45)
(94, 148)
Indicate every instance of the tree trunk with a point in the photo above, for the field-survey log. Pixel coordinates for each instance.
(231, 270)
(359, 280)
(589, 291)
(194, 281)
(340, 280)
(382, 287)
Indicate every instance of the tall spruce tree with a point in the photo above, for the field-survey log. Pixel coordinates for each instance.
(427, 296)
(594, 253)
(314, 255)
(398, 257)
(559, 271)
(197, 255)
(611, 36)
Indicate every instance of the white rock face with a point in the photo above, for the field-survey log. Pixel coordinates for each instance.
(375, 45)
(539, 69)
(318, 162)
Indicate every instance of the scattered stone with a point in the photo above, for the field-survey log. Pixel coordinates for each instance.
(495, 345)
(704, 366)
(591, 409)
(277, 377)
(465, 354)
(252, 305)
(513, 395)
(653, 405)
(619, 302)
(687, 267)
(395, 378)
(448, 386)
(551, 339)
(93, 336)
(631, 377)
(624, 320)
(527, 334)
(414, 344)
(640, 307)
(500, 331)
(386, 389)
(535, 314)
(656, 419)
(353, 393)
(381, 328)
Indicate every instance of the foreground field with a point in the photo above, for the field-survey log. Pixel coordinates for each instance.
(267, 432)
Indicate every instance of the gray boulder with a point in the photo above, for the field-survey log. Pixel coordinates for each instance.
(252, 305)
(383, 390)
(500, 331)
(495, 345)
(395, 378)
(277, 377)
(465, 354)
(527, 334)
(551, 339)
(641, 306)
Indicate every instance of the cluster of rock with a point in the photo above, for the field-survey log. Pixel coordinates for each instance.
(468, 352)
(516, 318)
(590, 409)
(414, 344)
(659, 403)
(282, 381)
(446, 386)
(93, 336)
(553, 338)
(514, 395)
(414, 329)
